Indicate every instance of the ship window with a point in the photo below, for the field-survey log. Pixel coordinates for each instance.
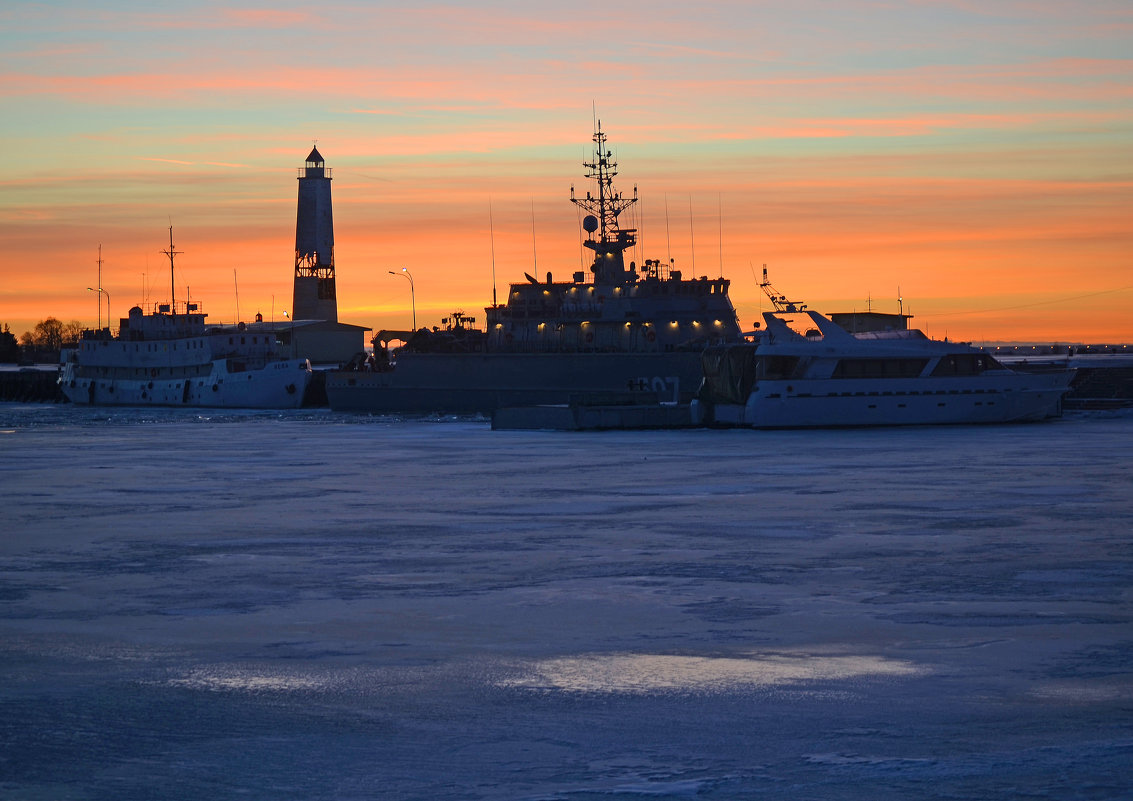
(775, 367)
(964, 364)
(879, 368)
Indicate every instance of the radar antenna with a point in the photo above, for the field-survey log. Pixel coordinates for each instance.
(602, 214)
(609, 203)
(779, 300)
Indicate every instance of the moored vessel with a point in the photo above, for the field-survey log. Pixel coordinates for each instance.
(619, 331)
(170, 356)
(828, 377)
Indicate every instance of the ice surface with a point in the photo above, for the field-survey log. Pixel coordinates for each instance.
(316, 606)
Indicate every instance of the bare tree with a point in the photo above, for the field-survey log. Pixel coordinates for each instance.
(48, 335)
(72, 331)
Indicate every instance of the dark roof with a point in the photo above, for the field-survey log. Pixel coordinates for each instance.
(315, 156)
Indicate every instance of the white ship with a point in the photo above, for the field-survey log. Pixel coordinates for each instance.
(831, 377)
(171, 357)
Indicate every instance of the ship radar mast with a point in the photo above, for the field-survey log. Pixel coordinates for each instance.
(172, 279)
(778, 300)
(602, 215)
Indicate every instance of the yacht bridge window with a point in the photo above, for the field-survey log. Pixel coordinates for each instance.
(964, 364)
(773, 368)
(879, 368)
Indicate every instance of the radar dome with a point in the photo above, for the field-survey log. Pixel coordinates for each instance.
(590, 223)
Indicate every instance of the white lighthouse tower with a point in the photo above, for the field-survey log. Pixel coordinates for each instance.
(314, 297)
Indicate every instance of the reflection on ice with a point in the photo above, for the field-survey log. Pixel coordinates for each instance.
(636, 674)
(668, 789)
(646, 673)
(221, 679)
(1080, 692)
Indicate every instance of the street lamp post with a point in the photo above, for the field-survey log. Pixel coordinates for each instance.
(412, 294)
(101, 292)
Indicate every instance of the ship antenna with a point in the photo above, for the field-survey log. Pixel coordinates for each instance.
(100, 291)
(668, 243)
(720, 230)
(581, 238)
(534, 254)
(236, 284)
(492, 240)
(639, 224)
(691, 237)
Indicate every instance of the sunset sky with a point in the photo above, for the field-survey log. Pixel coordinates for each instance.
(976, 157)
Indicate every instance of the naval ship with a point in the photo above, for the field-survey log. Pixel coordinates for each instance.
(618, 333)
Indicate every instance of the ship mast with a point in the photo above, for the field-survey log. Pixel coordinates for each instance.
(778, 299)
(172, 281)
(603, 211)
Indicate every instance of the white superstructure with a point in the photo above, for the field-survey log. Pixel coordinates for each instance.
(171, 357)
(830, 377)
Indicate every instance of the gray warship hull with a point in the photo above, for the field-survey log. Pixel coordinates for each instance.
(468, 383)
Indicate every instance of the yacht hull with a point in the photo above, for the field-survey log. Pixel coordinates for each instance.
(991, 398)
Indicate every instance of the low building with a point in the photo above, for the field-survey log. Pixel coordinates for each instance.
(323, 342)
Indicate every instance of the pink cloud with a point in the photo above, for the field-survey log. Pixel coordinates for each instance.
(264, 18)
